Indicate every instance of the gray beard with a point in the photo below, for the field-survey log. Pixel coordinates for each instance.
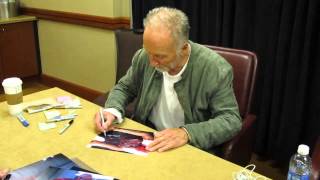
(160, 70)
(165, 69)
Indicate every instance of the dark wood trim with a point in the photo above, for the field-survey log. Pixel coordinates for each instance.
(80, 19)
(84, 92)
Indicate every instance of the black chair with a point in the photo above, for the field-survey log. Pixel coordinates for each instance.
(238, 150)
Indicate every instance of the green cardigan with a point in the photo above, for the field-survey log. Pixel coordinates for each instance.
(205, 93)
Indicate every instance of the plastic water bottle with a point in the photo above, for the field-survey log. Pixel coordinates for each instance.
(300, 164)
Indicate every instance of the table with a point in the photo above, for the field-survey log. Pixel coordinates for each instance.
(20, 146)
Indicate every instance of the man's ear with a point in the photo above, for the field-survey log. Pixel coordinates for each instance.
(185, 46)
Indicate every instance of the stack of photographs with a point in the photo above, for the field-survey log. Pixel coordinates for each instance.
(56, 167)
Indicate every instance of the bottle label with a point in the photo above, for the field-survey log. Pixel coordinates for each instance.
(294, 176)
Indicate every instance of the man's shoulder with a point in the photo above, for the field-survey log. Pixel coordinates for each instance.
(140, 62)
(140, 57)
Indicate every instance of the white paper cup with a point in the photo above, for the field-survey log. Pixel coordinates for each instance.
(13, 92)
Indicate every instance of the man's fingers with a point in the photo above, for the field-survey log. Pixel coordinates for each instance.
(108, 127)
(168, 139)
(153, 143)
(98, 122)
(109, 121)
(157, 144)
(3, 173)
(165, 148)
(105, 125)
(158, 134)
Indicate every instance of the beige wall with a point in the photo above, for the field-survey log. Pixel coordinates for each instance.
(92, 7)
(122, 8)
(79, 54)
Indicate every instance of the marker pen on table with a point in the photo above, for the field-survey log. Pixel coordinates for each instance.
(66, 127)
(62, 118)
(23, 120)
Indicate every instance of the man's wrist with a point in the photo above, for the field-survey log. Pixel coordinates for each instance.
(186, 131)
(116, 113)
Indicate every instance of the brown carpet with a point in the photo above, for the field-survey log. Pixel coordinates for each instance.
(269, 168)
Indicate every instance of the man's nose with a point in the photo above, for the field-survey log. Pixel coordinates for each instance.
(154, 61)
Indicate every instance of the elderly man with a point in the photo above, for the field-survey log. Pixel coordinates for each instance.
(182, 88)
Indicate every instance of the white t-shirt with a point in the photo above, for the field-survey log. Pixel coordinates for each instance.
(167, 112)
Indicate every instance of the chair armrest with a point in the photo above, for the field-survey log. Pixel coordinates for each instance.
(239, 149)
(316, 160)
(100, 100)
(130, 109)
(316, 169)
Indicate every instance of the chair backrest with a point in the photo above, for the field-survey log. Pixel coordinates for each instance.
(244, 64)
(127, 43)
(316, 160)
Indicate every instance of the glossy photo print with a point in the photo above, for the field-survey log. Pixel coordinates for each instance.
(58, 167)
(54, 173)
(123, 140)
(31, 171)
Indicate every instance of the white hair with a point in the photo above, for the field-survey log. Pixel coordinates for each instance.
(173, 19)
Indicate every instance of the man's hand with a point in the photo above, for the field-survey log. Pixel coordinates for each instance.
(168, 139)
(108, 119)
(3, 173)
